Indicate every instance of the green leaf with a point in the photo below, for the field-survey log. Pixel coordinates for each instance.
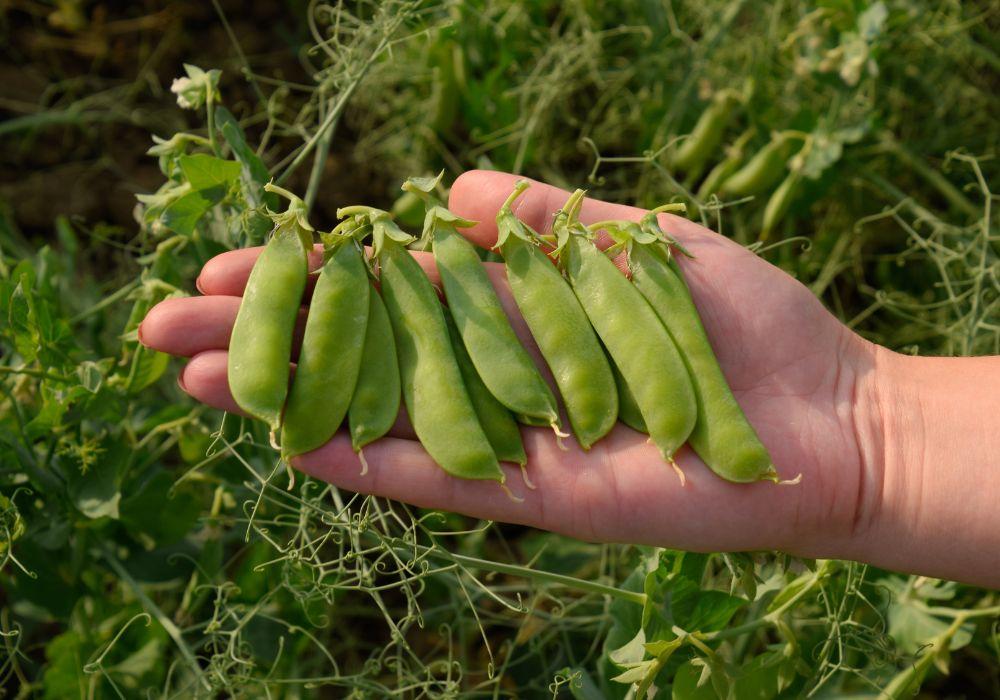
(90, 375)
(636, 672)
(712, 611)
(172, 562)
(440, 214)
(147, 367)
(144, 660)
(20, 321)
(145, 510)
(760, 678)
(96, 494)
(631, 653)
(686, 684)
(50, 415)
(64, 676)
(253, 172)
(207, 172)
(183, 214)
(626, 623)
(427, 185)
(796, 586)
(913, 628)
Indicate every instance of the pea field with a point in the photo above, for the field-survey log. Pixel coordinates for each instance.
(154, 547)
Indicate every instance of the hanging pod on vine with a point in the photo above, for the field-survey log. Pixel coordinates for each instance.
(735, 155)
(779, 203)
(704, 139)
(764, 169)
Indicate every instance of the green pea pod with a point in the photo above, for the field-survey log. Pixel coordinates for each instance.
(762, 171)
(628, 409)
(499, 358)
(637, 341)
(330, 358)
(436, 399)
(260, 347)
(707, 133)
(498, 423)
(722, 436)
(375, 403)
(560, 327)
(726, 167)
(778, 204)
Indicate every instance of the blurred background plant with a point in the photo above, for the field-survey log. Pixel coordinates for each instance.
(149, 545)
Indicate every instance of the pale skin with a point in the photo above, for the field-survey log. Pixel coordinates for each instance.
(899, 456)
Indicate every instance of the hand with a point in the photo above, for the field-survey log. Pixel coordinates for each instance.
(806, 383)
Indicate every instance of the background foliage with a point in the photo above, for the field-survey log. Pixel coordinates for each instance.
(150, 546)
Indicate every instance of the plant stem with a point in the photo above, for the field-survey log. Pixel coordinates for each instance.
(933, 177)
(37, 373)
(535, 574)
(319, 162)
(333, 115)
(106, 301)
(158, 615)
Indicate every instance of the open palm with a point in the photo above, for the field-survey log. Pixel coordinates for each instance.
(796, 371)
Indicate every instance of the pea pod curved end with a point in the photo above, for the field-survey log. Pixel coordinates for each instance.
(678, 471)
(786, 482)
(507, 492)
(524, 477)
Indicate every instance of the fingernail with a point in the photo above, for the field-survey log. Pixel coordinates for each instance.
(180, 382)
(138, 333)
(197, 284)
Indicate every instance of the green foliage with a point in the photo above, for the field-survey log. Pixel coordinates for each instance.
(149, 546)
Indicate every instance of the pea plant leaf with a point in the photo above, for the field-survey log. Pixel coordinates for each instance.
(912, 623)
(254, 174)
(143, 510)
(183, 214)
(97, 495)
(206, 172)
(825, 150)
(20, 320)
(689, 683)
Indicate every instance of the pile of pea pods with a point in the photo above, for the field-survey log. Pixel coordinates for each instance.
(377, 329)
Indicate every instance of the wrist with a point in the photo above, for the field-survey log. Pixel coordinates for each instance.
(928, 482)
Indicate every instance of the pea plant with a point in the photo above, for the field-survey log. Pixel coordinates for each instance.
(153, 546)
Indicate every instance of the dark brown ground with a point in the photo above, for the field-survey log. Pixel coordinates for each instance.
(81, 91)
